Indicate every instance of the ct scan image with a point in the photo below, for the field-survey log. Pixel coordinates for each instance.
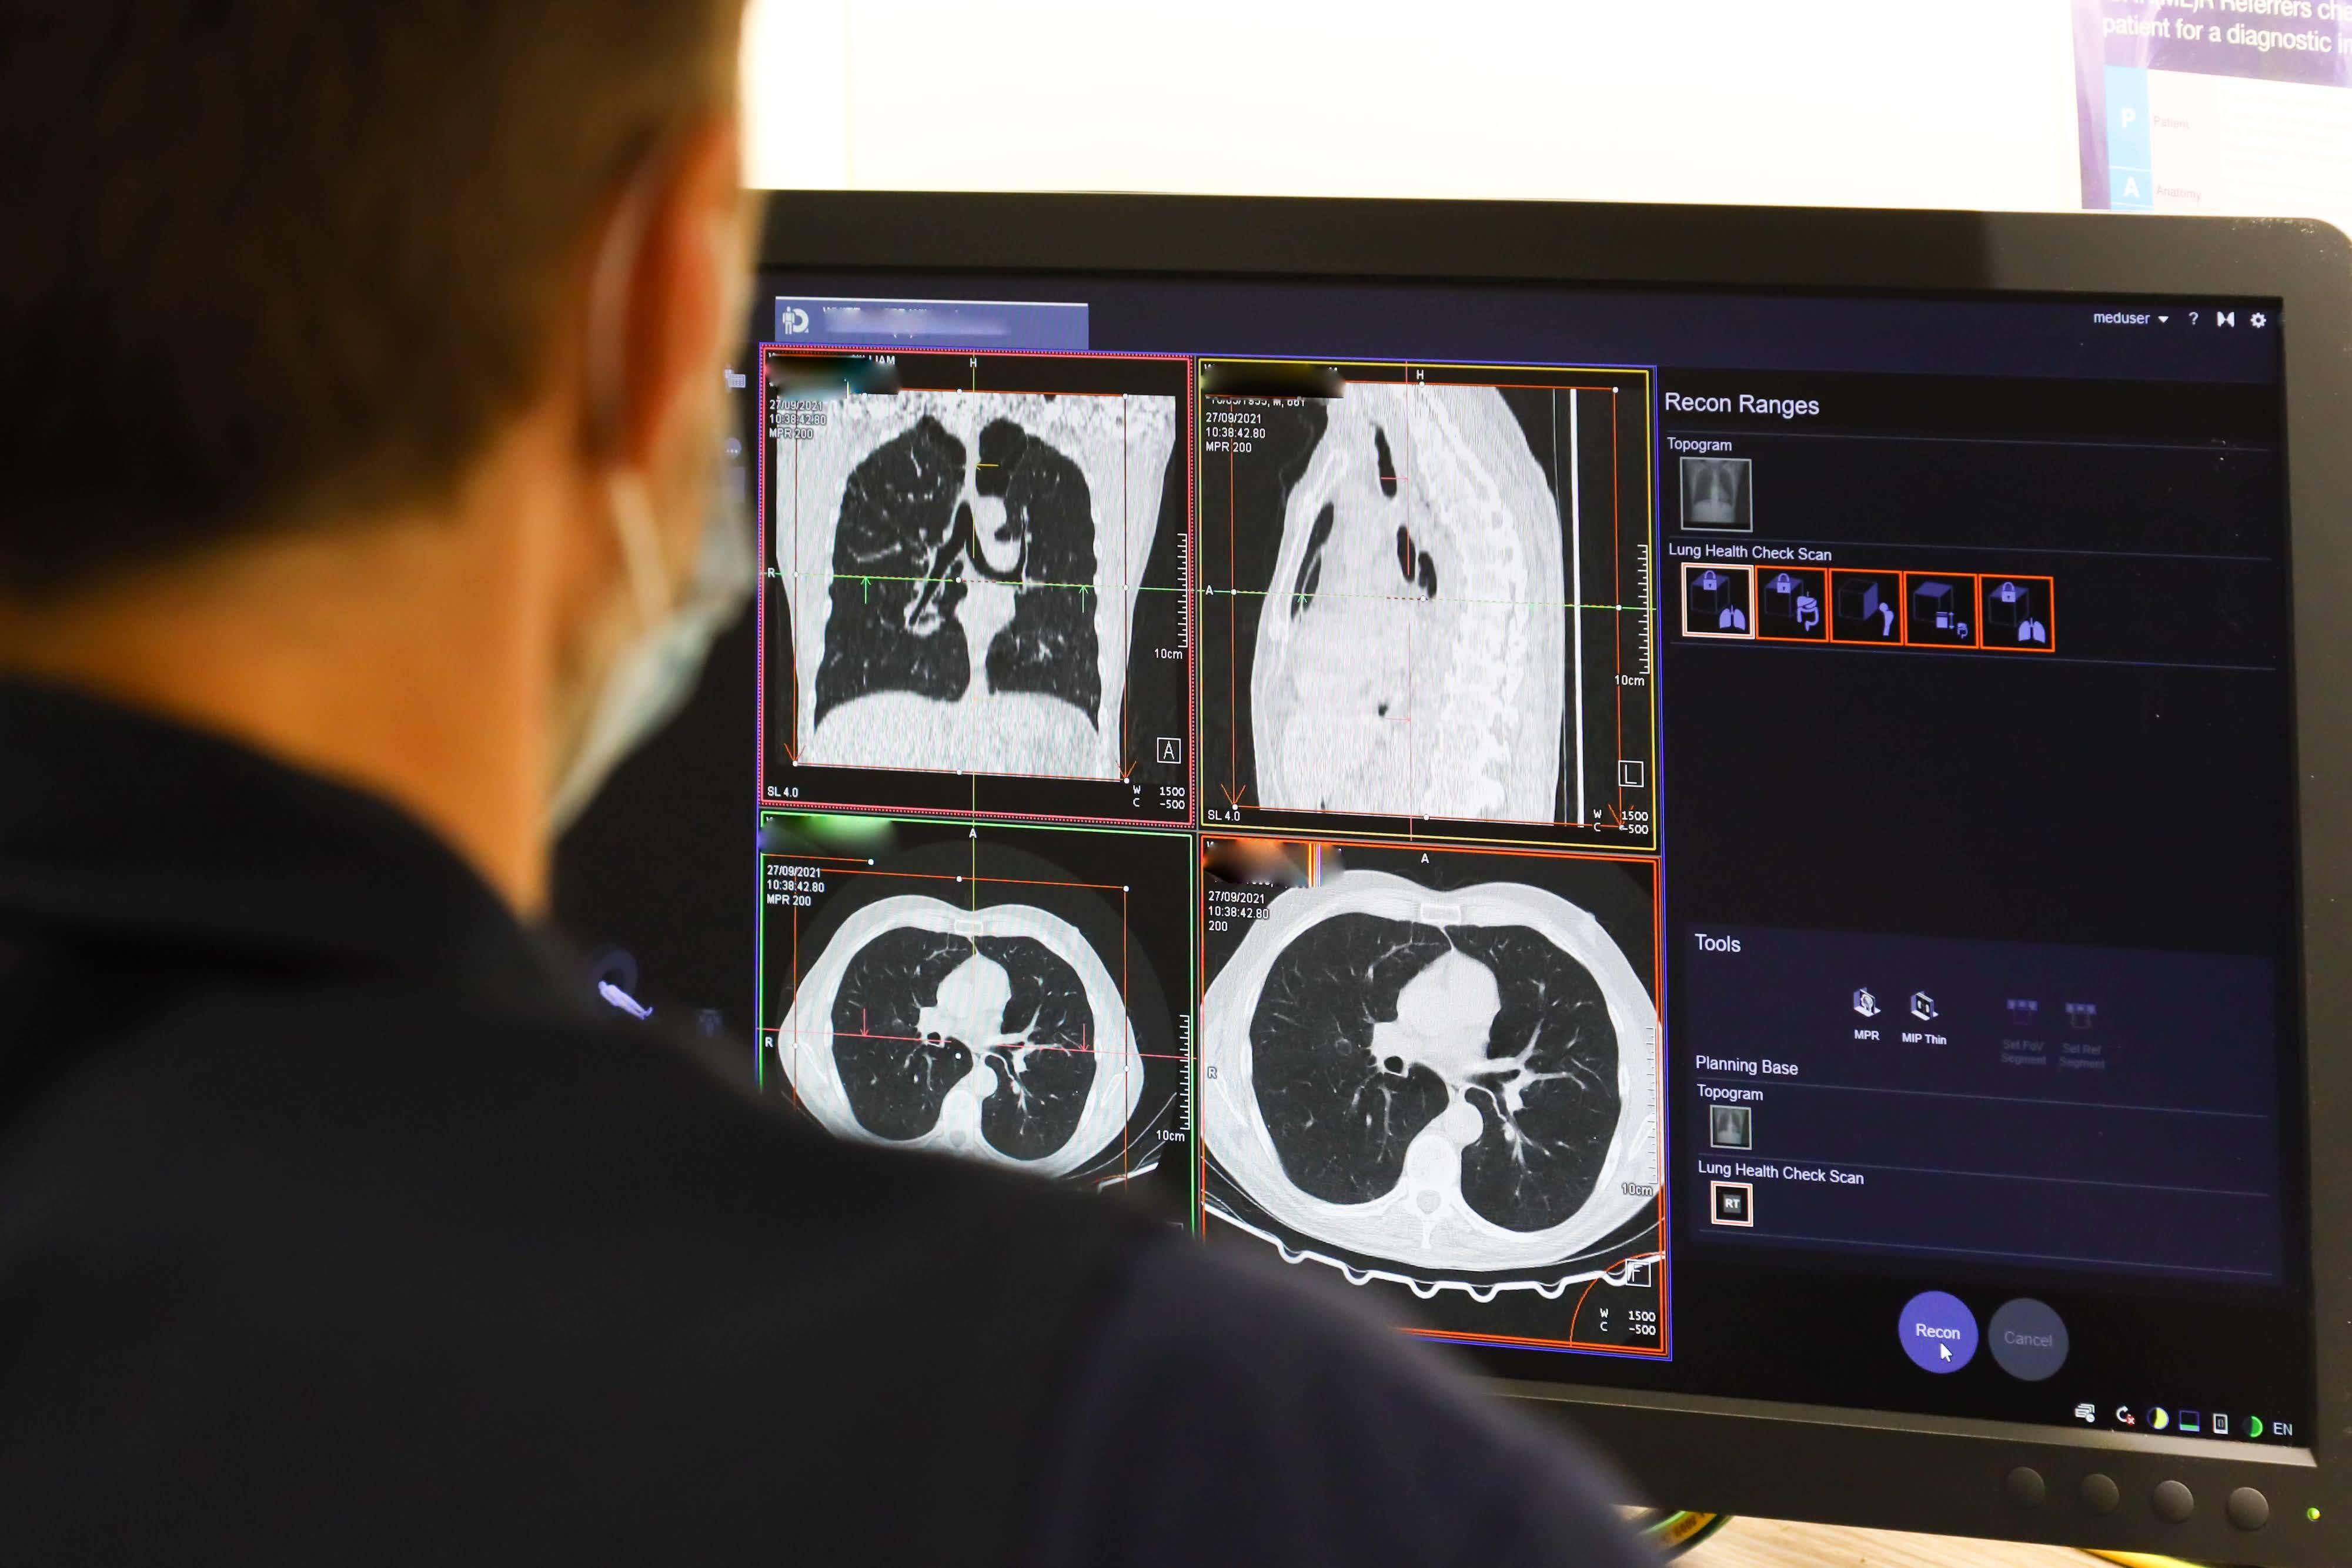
(1436, 1069)
(1426, 601)
(1412, 667)
(988, 993)
(962, 569)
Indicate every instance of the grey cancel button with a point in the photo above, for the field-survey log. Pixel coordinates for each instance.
(2028, 1339)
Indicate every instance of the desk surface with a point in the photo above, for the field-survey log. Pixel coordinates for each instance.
(1774, 1544)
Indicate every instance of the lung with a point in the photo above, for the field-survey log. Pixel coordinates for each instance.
(1050, 645)
(995, 1033)
(1339, 1117)
(1456, 1083)
(1546, 1121)
(1416, 666)
(1041, 1082)
(893, 626)
(1310, 565)
(895, 1073)
(961, 573)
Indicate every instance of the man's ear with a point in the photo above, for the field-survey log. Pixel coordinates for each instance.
(682, 296)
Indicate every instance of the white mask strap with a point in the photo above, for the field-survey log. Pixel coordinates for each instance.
(633, 523)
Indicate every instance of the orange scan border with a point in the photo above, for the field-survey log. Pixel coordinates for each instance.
(1967, 577)
(1665, 1351)
(1838, 571)
(1749, 570)
(2050, 589)
(1758, 620)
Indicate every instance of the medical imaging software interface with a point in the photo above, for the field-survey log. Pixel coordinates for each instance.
(1709, 843)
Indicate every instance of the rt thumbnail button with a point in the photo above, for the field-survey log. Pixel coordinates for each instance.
(1938, 1332)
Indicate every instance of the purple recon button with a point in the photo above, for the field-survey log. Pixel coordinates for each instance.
(1938, 1332)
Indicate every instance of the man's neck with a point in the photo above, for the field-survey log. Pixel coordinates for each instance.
(384, 653)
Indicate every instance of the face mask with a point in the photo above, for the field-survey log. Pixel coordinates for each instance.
(651, 678)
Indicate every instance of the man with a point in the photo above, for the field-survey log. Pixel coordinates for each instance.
(362, 362)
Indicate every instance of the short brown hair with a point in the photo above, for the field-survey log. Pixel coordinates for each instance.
(271, 257)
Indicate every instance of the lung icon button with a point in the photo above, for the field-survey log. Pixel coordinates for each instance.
(1938, 1332)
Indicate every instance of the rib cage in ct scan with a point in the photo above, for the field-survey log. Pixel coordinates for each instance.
(962, 570)
(1459, 1087)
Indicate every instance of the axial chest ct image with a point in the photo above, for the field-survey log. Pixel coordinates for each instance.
(962, 570)
(994, 1033)
(1450, 1087)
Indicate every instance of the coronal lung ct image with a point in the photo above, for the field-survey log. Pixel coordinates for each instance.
(963, 569)
(1437, 1068)
(983, 994)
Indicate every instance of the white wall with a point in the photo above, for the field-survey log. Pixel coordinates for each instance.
(1848, 102)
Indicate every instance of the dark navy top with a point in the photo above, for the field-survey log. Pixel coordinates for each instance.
(337, 1224)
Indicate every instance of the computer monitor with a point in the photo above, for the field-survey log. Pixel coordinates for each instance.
(1739, 812)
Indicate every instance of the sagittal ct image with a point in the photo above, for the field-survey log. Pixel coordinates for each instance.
(1438, 1070)
(975, 579)
(991, 993)
(1427, 598)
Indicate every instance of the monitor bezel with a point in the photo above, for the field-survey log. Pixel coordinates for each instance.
(1850, 1466)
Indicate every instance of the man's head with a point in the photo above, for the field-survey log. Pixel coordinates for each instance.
(298, 295)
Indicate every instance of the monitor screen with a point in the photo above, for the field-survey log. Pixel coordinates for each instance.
(1711, 843)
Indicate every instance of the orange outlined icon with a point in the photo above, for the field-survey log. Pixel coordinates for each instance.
(1940, 609)
(2019, 614)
